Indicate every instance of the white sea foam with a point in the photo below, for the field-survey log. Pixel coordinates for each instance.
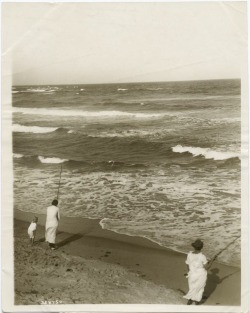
(154, 89)
(15, 91)
(227, 119)
(150, 217)
(40, 90)
(121, 89)
(51, 160)
(17, 155)
(130, 133)
(207, 153)
(184, 98)
(106, 223)
(205, 97)
(32, 129)
(36, 90)
(78, 113)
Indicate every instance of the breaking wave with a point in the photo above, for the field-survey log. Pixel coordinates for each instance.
(154, 89)
(34, 160)
(51, 160)
(47, 90)
(207, 153)
(32, 129)
(17, 155)
(78, 113)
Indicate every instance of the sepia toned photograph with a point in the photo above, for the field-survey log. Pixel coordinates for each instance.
(124, 156)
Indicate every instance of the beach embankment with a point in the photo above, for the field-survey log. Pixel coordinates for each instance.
(92, 265)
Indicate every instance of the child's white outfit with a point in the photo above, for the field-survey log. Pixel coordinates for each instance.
(31, 230)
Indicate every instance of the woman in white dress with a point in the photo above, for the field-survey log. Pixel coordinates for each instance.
(197, 273)
(52, 221)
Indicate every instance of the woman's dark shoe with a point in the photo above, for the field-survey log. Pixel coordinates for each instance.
(197, 303)
(189, 302)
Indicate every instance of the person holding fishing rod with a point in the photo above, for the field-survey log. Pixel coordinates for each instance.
(197, 271)
(52, 220)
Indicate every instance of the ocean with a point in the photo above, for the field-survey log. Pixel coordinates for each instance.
(156, 160)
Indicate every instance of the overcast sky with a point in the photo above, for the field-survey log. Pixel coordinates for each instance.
(68, 43)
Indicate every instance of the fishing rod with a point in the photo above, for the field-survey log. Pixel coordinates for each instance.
(217, 254)
(59, 183)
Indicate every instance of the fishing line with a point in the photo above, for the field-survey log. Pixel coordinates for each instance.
(59, 183)
(216, 255)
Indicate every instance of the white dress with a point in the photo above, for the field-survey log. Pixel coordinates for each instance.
(31, 230)
(197, 275)
(52, 223)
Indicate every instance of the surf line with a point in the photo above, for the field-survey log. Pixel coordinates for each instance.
(57, 197)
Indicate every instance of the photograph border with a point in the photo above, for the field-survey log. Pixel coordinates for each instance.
(7, 213)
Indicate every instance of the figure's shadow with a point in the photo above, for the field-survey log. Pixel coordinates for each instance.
(213, 280)
(43, 238)
(69, 239)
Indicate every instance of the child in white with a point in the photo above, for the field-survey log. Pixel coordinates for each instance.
(32, 230)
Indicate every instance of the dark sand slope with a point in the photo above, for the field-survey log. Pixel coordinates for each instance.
(93, 265)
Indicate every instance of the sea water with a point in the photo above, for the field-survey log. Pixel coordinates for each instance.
(156, 160)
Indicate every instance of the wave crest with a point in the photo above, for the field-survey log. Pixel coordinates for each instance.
(47, 90)
(78, 113)
(207, 153)
(17, 155)
(32, 129)
(51, 160)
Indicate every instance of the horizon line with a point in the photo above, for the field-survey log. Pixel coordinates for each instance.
(133, 82)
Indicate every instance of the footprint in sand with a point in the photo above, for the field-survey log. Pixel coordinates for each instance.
(107, 254)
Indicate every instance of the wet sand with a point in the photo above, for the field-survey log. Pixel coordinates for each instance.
(92, 265)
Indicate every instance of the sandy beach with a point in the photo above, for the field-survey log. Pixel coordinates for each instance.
(99, 266)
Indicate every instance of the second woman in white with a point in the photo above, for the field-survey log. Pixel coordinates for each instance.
(52, 222)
